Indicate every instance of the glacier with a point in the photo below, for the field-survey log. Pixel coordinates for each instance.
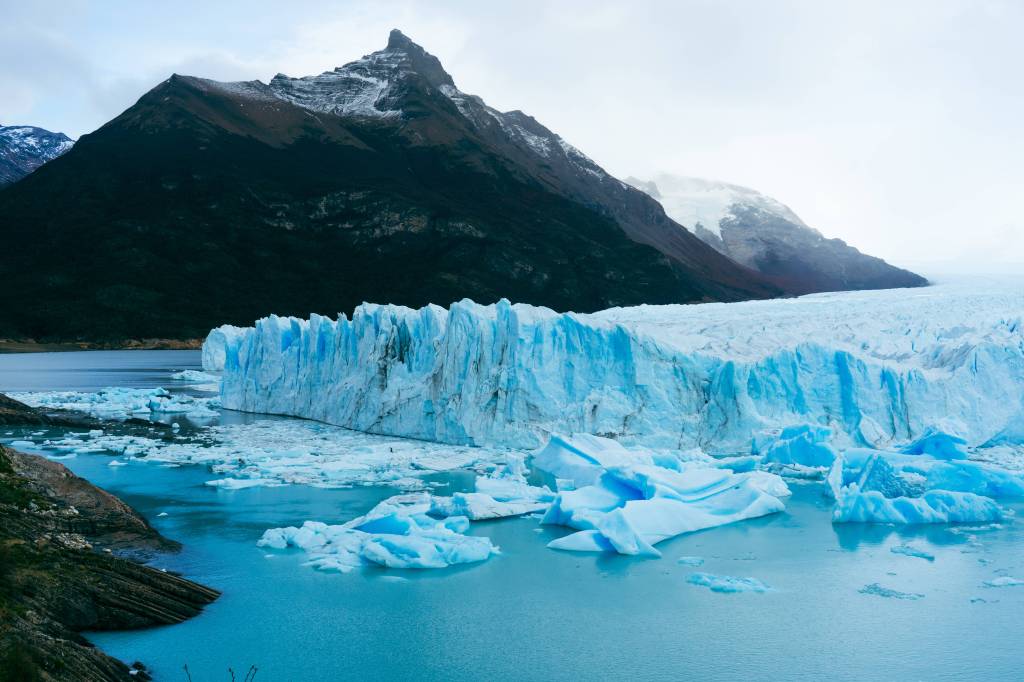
(655, 421)
(876, 368)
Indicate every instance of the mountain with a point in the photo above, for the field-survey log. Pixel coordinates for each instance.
(209, 203)
(25, 148)
(764, 234)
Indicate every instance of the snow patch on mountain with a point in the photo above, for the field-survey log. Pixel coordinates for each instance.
(695, 201)
(25, 148)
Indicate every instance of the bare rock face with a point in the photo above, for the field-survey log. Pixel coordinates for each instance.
(15, 412)
(60, 573)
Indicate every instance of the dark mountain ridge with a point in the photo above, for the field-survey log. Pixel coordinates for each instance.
(209, 203)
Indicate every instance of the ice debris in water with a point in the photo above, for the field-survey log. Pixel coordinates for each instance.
(909, 550)
(273, 451)
(417, 530)
(397, 533)
(1003, 581)
(627, 502)
(727, 583)
(879, 591)
(122, 403)
(690, 561)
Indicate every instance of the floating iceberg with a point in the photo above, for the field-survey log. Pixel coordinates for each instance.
(872, 486)
(727, 583)
(501, 494)
(397, 533)
(418, 530)
(877, 368)
(628, 502)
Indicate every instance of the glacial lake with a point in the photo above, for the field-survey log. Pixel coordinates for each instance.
(532, 613)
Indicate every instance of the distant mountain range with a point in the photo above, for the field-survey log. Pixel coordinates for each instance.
(209, 203)
(764, 234)
(25, 148)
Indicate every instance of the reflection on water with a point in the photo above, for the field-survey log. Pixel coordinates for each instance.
(536, 614)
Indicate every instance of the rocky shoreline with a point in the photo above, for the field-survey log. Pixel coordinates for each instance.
(32, 346)
(68, 563)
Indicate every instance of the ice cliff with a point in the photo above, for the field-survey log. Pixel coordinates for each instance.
(867, 369)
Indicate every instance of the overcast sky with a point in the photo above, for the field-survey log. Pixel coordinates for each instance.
(897, 126)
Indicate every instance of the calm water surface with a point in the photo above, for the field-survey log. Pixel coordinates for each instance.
(537, 614)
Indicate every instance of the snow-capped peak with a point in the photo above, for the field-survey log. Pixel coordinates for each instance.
(696, 201)
(365, 87)
(25, 148)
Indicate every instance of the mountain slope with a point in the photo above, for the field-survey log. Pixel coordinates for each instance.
(209, 203)
(25, 148)
(764, 234)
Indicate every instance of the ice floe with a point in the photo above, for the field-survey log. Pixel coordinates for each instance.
(627, 503)
(727, 583)
(397, 533)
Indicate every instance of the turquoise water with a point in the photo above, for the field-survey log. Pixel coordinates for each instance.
(537, 614)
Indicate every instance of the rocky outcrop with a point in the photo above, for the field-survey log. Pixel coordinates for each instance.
(63, 569)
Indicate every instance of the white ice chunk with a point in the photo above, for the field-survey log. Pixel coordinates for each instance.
(727, 583)
(397, 533)
(632, 506)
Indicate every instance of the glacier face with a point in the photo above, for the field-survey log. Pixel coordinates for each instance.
(875, 368)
